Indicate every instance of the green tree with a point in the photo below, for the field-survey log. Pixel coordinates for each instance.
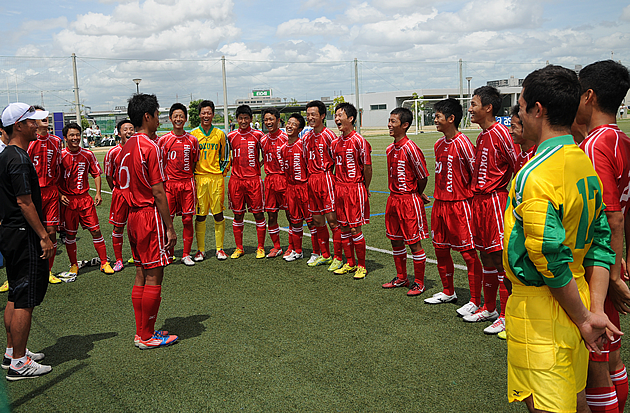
(336, 101)
(84, 123)
(292, 102)
(193, 113)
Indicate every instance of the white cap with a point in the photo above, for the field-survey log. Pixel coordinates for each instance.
(16, 112)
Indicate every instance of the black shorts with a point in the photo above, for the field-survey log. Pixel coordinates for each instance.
(27, 273)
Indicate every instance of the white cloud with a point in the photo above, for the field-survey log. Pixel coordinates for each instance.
(321, 26)
(625, 14)
(362, 14)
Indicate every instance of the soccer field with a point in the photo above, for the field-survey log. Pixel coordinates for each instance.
(266, 335)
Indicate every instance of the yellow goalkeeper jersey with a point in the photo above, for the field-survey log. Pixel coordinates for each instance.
(214, 151)
(555, 223)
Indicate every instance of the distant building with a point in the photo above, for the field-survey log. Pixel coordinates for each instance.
(511, 82)
(259, 97)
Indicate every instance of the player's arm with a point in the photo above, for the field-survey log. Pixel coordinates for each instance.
(162, 205)
(25, 202)
(367, 174)
(110, 182)
(627, 232)
(97, 198)
(619, 291)
(224, 155)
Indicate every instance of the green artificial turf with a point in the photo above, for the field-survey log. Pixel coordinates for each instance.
(266, 335)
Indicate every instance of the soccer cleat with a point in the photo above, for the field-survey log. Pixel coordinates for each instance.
(275, 252)
(137, 338)
(158, 340)
(131, 261)
(481, 315)
(107, 269)
(396, 282)
(173, 259)
(74, 269)
(221, 255)
(294, 256)
(345, 269)
(238, 253)
(439, 298)
(53, 280)
(5, 287)
(502, 335)
(335, 265)
(6, 361)
(416, 289)
(312, 259)
(360, 273)
(28, 370)
(118, 266)
(187, 260)
(321, 261)
(287, 253)
(467, 309)
(496, 327)
(260, 253)
(199, 256)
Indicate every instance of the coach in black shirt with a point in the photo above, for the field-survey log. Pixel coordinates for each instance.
(24, 242)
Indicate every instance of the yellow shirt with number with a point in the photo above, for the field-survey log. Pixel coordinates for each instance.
(214, 151)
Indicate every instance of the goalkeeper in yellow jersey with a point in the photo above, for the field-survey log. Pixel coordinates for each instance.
(213, 165)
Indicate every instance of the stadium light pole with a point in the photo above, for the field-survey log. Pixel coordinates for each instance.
(468, 78)
(137, 82)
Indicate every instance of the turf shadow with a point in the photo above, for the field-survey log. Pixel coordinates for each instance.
(186, 327)
(373, 265)
(73, 347)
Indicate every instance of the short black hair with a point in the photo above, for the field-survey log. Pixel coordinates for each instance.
(274, 111)
(557, 89)
(179, 106)
(514, 111)
(299, 118)
(38, 107)
(489, 95)
(321, 107)
(122, 122)
(609, 80)
(244, 110)
(448, 107)
(71, 125)
(138, 105)
(349, 109)
(206, 103)
(404, 115)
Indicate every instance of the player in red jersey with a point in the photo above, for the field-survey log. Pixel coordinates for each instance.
(45, 152)
(604, 85)
(321, 187)
(353, 175)
(295, 166)
(118, 209)
(275, 180)
(150, 229)
(245, 188)
(528, 148)
(77, 206)
(405, 217)
(180, 152)
(451, 215)
(495, 162)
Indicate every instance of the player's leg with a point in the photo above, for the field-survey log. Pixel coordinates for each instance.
(117, 244)
(71, 226)
(490, 286)
(291, 246)
(99, 246)
(89, 219)
(446, 269)
(187, 222)
(203, 207)
(274, 189)
(216, 209)
(296, 235)
(394, 232)
(236, 201)
(254, 198)
(619, 377)
(274, 234)
(219, 235)
(473, 265)
(237, 229)
(441, 232)
(52, 234)
(419, 264)
(261, 232)
(358, 241)
(348, 250)
(601, 394)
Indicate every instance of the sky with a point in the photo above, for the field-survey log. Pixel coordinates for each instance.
(301, 49)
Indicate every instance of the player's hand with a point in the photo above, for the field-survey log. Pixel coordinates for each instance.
(619, 294)
(624, 271)
(171, 238)
(64, 200)
(47, 248)
(595, 328)
(425, 199)
(98, 199)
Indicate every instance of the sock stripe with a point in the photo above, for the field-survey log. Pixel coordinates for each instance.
(97, 240)
(358, 238)
(620, 375)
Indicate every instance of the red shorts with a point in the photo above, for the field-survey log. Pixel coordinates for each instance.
(50, 205)
(297, 197)
(275, 188)
(147, 237)
(118, 210)
(405, 218)
(181, 196)
(245, 191)
(451, 225)
(353, 206)
(488, 212)
(613, 316)
(81, 209)
(321, 193)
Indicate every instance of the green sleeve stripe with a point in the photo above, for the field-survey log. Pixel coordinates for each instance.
(557, 255)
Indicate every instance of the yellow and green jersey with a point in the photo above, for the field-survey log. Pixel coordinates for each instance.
(214, 151)
(555, 223)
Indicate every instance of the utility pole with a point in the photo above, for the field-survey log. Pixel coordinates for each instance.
(226, 121)
(356, 90)
(77, 105)
(461, 84)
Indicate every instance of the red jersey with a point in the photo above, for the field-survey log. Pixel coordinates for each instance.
(405, 166)
(140, 168)
(271, 145)
(245, 147)
(75, 167)
(295, 162)
(495, 160)
(454, 168)
(523, 157)
(179, 154)
(351, 154)
(320, 157)
(45, 152)
(609, 150)
(110, 166)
